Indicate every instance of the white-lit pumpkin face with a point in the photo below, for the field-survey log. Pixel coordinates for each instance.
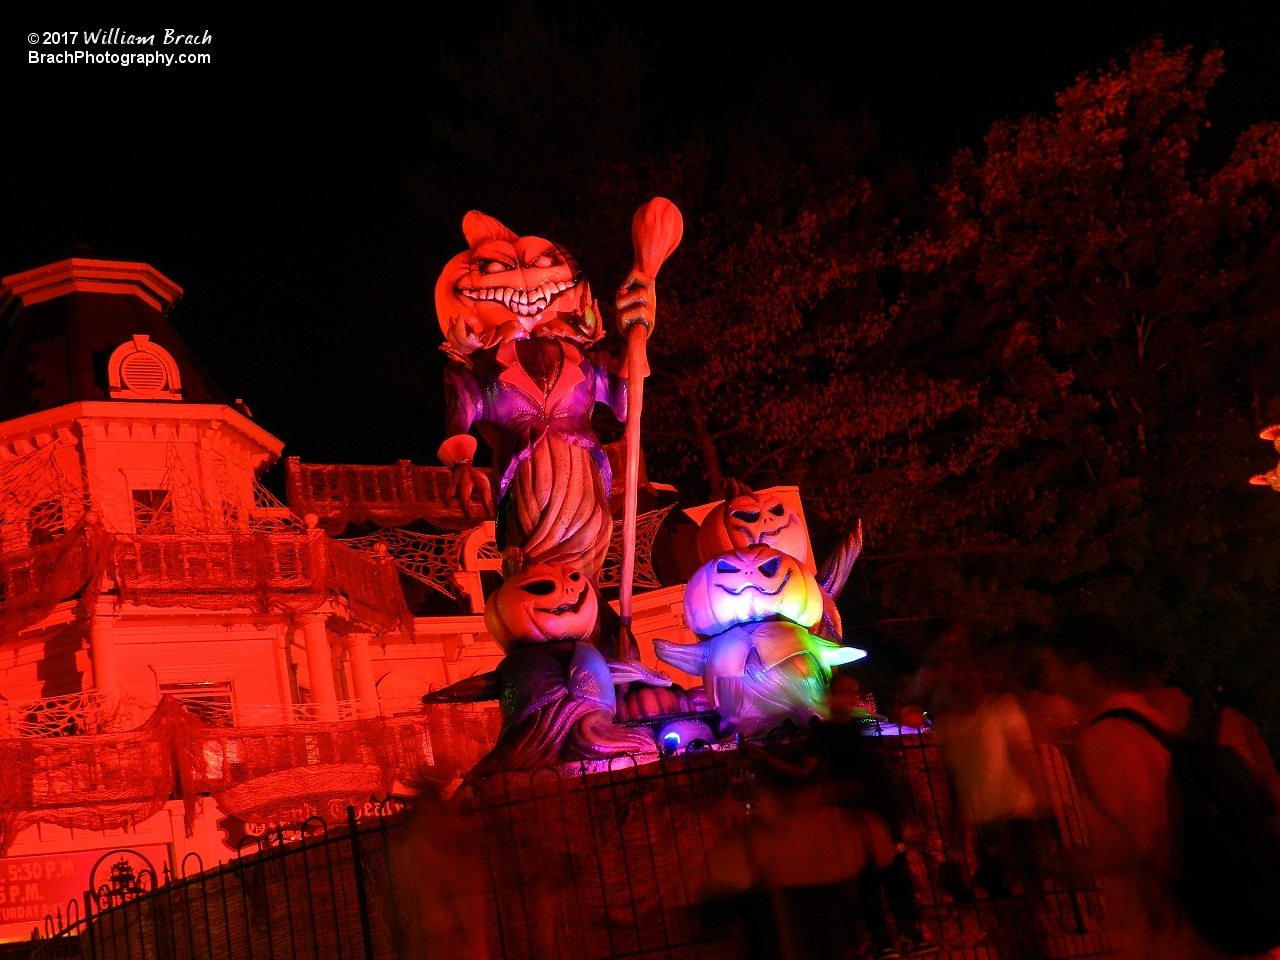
(543, 603)
(753, 518)
(506, 286)
(753, 583)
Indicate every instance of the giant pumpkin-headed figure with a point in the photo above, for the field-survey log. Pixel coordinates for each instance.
(520, 323)
(555, 689)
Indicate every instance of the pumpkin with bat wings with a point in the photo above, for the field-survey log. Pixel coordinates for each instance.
(760, 662)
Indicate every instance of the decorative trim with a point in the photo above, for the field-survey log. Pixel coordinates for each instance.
(89, 276)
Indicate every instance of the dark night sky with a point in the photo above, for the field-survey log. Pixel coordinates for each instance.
(269, 183)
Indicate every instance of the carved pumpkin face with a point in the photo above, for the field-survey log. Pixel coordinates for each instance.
(753, 518)
(543, 603)
(754, 583)
(505, 287)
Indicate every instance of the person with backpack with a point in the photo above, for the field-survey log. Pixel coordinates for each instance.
(1181, 835)
(856, 781)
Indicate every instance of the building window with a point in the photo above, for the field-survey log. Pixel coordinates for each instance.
(208, 700)
(152, 511)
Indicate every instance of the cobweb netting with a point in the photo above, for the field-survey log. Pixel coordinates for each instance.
(283, 773)
(429, 558)
(647, 527)
(433, 559)
(238, 547)
(75, 714)
(39, 499)
(263, 571)
(35, 580)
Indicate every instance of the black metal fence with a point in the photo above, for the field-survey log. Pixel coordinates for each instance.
(313, 891)
(624, 859)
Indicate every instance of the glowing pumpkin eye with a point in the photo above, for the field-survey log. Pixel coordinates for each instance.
(495, 266)
(724, 566)
(770, 567)
(777, 509)
(543, 261)
(539, 588)
(746, 516)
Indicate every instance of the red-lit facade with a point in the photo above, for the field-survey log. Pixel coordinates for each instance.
(142, 558)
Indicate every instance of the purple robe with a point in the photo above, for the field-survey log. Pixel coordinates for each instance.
(519, 392)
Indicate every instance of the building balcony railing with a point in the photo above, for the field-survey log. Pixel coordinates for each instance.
(389, 496)
(268, 572)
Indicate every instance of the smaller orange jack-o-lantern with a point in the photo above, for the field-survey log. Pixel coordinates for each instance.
(506, 287)
(541, 603)
(753, 518)
(754, 583)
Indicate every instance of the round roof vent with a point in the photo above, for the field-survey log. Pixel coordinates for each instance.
(141, 370)
(143, 373)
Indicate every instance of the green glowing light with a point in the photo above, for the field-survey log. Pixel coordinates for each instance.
(834, 656)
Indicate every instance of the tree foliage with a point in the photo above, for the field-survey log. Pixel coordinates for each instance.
(1120, 303)
(1040, 388)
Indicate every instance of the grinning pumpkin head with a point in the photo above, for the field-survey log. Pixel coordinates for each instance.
(541, 603)
(753, 583)
(507, 288)
(753, 518)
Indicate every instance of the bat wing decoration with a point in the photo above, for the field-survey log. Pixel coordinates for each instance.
(832, 578)
(483, 686)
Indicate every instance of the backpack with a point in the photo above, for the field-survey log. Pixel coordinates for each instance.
(1229, 839)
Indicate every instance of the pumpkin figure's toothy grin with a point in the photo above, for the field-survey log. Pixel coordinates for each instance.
(764, 536)
(751, 586)
(524, 303)
(564, 608)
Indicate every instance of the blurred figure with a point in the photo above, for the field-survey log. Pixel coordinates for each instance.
(1124, 774)
(440, 865)
(1229, 727)
(1235, 730)
(990, 758)
(855, 779)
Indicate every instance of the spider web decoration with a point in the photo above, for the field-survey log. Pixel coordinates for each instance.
(38, 502)
(433, 558)
(429, 558)
(270, 515)
(230, 512)
(75, 714)
(647, 526)
(183, 508)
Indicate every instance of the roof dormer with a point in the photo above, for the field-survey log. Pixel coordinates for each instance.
(94, 330)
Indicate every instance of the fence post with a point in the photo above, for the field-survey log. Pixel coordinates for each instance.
(88, 925)
(361, 897)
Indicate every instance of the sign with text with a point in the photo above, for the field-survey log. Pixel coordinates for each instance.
(32, 888)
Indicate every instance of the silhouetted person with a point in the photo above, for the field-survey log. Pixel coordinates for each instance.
(856, 778)
(1124, 774)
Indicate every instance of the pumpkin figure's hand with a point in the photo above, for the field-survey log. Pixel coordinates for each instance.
(629, 671)
(468, 486)
(637, 302)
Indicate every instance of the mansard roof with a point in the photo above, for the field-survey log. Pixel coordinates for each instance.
(62, 322)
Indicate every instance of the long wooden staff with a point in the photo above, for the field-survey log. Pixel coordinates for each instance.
(656, 230)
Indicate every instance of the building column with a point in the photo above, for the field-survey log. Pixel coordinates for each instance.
(319, 666)
(102, 648)
(284, 674)
(366, 689)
